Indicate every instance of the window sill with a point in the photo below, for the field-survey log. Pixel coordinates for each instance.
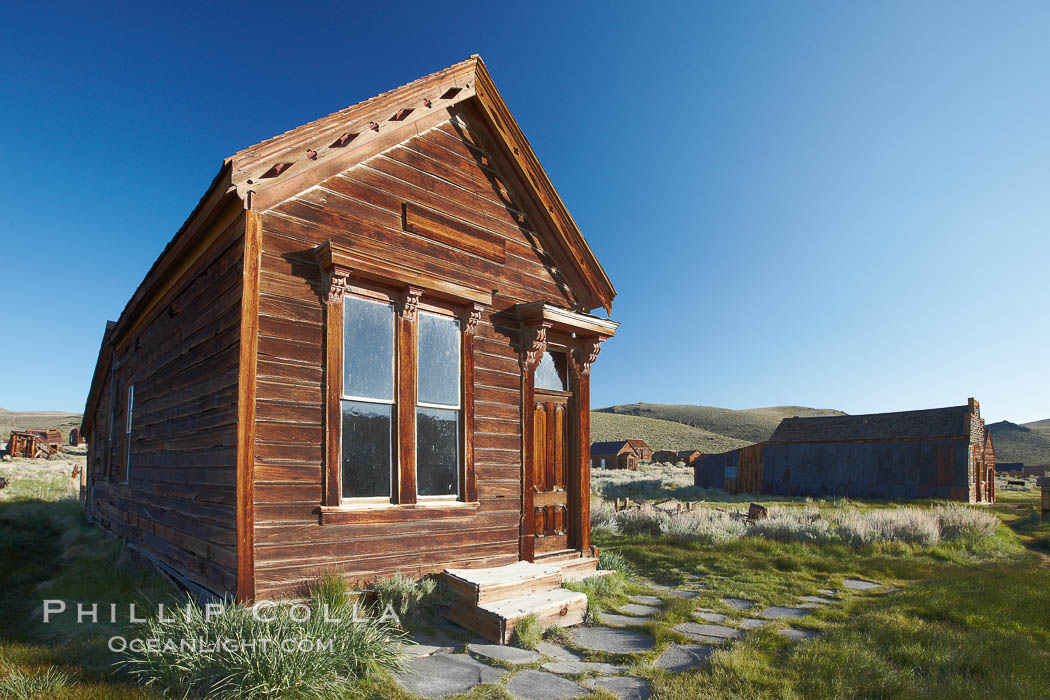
(395, 513)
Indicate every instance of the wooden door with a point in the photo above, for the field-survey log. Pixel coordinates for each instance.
(550, 457)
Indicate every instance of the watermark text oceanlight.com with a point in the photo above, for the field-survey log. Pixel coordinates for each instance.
(218, 646)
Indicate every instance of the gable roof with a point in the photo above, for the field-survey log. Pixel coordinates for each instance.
(608, 448)
(636, 443)
(928, 423)
(280, 167)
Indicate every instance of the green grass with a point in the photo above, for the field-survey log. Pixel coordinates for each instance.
(660, 434)
(748, 425)
(970, 620)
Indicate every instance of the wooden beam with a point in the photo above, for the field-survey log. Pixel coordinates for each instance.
(246, 395)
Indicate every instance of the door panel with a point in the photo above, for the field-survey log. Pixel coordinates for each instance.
(549, 456)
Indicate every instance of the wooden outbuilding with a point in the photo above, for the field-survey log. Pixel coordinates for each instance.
(666, 456)
(690, 457)
(618, 454)
(74, 437)
(943, 453)
(367, 350)
(641, 447)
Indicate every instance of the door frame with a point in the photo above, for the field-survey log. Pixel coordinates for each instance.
(535, 338)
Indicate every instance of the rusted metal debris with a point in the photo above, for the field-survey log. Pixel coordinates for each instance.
(757, 512)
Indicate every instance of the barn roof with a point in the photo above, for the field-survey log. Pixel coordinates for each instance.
(608, 448)
(928, 423)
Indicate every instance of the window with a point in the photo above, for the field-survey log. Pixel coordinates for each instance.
(127, 432)
(368, 406)
(438, 406)
(550, 373)
(730, 471)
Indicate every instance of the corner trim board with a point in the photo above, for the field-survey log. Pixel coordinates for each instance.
(246, 397)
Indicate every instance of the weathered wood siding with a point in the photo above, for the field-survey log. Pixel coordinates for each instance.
(178, 504)
(448, 171)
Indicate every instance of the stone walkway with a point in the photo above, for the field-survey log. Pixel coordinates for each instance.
(438, 665)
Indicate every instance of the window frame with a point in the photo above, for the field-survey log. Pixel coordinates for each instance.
(129, 413)
(342, 275)
(444, 311)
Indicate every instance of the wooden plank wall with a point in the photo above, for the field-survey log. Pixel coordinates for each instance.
(178, 504)
(447, 170)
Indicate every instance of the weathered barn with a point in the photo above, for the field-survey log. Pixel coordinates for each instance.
(668, 456)
(367, 351)
(618, 454)
(935, 453)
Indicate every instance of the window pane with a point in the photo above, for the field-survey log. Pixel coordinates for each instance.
(551, 372)
(368, 350)
(438, 360)
(437, 452)
(366, 449)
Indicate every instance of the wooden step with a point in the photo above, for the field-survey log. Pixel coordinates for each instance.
(496, 620)
(573, 569)
(476, 586)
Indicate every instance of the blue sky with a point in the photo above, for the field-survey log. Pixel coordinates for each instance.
(822, 204)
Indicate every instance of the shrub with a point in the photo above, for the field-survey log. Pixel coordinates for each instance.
(609, 560)
(909, 525)
(404, 595)
(19, 685)
(962, 522)
(527, 632)
(274, 653)
(603, 515)
(704, 525)
(794, 525)
(644, 520)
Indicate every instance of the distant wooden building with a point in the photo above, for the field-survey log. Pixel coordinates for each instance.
(690, 457)
(620, 454)
(668, 456)
(943, 453)
(1009, 467)
(645, 453)
(74, 437)
(367, 350)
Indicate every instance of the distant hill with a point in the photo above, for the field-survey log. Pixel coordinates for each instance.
(1028, 442)
(22, 420)
(750, 425)
(660, 434)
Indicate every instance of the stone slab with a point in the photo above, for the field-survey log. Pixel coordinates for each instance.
(511, 655)
(750, 623)
(815, 599)
(828, 592)
(779, 612)
(556, 652)
(623, 687)
(636, 609)
(540, 685)
(682, 657)
(575, 668)
(710, 616)
(613, 620)
(739, 603)
(613, 641)
(645, 599)
(658, 586)
(439, 675)
(708, 633)
(683, 594)
(797, 634)
(857, 584)
(426, 649)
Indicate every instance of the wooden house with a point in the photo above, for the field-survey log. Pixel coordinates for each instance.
(668, 456)
(618, 454)
(943, 453)
(641, 447)
(367, 351)
(689, 457)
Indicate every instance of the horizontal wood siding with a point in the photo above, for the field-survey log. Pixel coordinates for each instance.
(178, 504)
(447, 174)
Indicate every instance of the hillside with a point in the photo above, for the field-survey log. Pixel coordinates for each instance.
(749, 425)
(22, 420)
(660, 434)
(1028, 443)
